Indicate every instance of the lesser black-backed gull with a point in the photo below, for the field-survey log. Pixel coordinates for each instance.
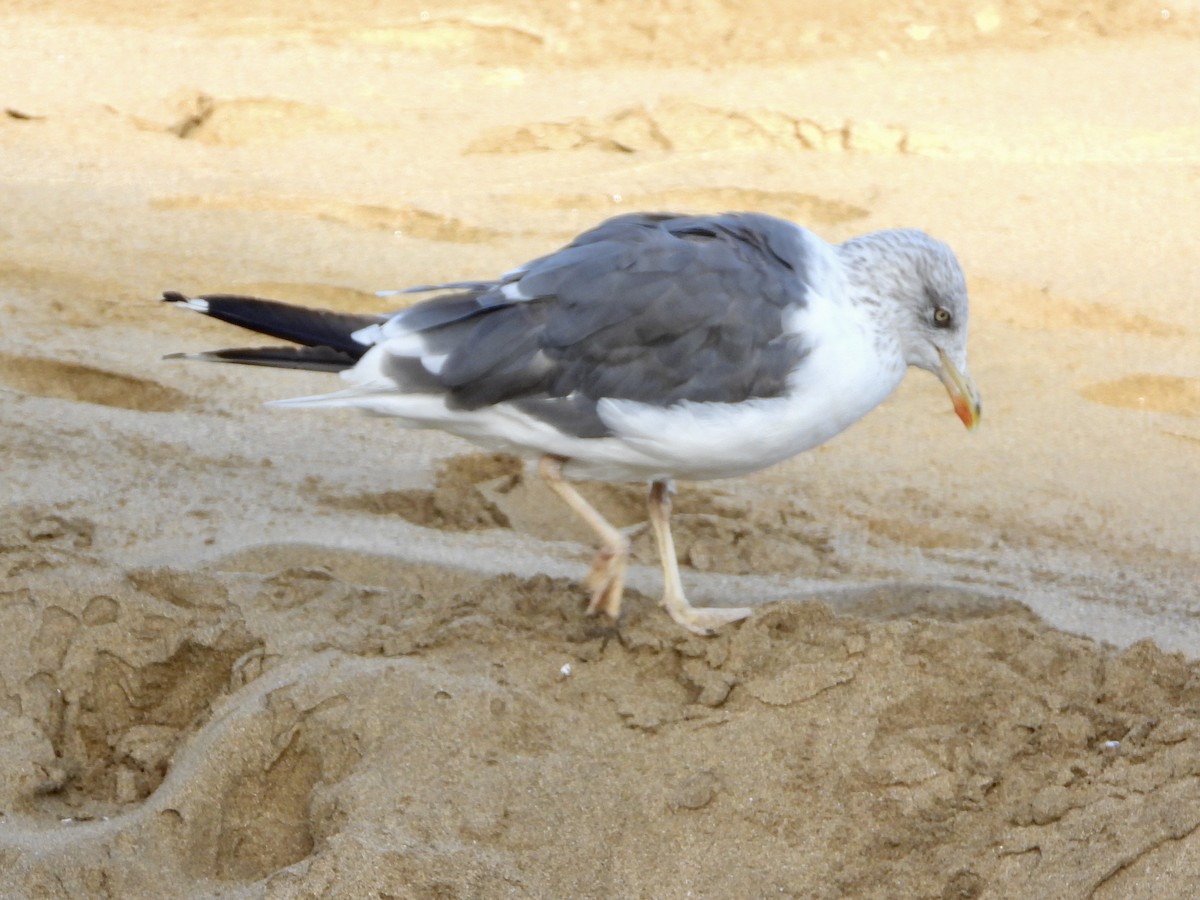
(652, 347)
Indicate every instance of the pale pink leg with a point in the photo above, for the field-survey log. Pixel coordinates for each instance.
(701, 620)
(607, 576)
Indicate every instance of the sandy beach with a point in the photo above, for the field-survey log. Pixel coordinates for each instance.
(248, 652)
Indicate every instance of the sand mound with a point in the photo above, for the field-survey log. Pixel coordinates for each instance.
(475, 735)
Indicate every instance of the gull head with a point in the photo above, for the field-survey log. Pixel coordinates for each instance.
(916, 281)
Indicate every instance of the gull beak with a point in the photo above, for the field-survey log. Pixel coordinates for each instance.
(962, 391)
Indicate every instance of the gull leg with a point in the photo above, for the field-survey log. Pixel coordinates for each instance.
(607, 576)
(701, 620)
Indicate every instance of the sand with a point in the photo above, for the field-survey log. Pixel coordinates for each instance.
(256, 653)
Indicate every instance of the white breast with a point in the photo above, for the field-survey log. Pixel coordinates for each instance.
(850, 369)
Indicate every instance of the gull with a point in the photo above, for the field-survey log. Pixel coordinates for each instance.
(652, 347)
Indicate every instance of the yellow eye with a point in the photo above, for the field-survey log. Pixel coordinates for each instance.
(942, 317)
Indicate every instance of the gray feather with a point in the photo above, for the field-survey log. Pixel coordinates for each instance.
(656, 308)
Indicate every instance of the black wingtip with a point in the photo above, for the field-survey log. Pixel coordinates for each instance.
(315, 359)
(299, 324)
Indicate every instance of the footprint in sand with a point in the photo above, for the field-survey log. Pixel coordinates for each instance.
(87, 384)
(1172, 394)
(409, 221)
(794, 205)
(1040, 309)
(454, 504)
(113, 719)
(677, 124)
(194, 115)
(480, 42)
(150, 705)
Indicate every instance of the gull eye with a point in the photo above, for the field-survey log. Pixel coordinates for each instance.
(942, 317)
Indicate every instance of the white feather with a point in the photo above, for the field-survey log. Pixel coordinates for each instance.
(196, 303)
(434, 362)
(368, 336)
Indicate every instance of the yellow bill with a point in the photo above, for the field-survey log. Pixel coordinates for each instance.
(962, 391)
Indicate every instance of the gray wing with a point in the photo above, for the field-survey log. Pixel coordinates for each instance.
(654, 308)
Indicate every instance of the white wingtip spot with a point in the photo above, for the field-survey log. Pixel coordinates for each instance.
(196, 303)
(433, 364)
(368, 336)
(512, 291)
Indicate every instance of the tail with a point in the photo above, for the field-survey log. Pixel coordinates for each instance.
(326, 338)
